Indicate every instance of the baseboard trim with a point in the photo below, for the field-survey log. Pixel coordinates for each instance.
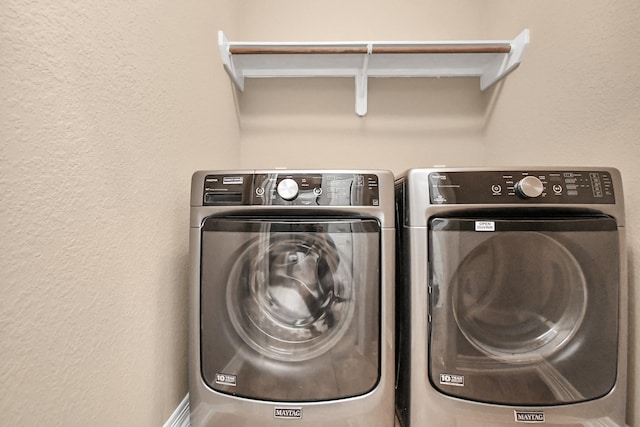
(180, 417)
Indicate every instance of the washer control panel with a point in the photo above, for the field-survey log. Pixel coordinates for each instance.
(521, 187)
(299, 189)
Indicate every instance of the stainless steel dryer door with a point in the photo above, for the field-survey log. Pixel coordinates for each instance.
(290, 307)
(523, 312)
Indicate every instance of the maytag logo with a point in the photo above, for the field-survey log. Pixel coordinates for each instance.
(529, 416)
(287, 413)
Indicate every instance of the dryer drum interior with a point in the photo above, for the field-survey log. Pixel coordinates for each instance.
(519, 302)
(524, 314)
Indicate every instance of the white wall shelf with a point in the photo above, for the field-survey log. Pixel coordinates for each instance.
(489, 60)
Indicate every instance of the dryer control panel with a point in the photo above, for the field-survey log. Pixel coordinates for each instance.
(521, 187)
(292, 189)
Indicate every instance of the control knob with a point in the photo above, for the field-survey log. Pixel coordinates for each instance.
(529, 187)
(288, 189)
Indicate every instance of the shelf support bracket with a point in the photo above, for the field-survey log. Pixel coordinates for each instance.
(362, 83)
(223, 44)
(508, 64)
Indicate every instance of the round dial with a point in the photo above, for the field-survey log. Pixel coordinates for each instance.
(288, 189)
(529, 187)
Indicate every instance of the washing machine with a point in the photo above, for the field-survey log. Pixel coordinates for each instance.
(292, 298)
(512, 296)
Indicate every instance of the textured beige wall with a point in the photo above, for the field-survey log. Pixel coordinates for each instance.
(106, 109)
(575, 100)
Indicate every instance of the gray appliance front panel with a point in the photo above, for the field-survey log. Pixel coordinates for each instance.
(290, 307)
(523, 311)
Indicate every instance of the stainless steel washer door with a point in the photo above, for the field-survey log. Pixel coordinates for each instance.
(290, 307)
(525, 313)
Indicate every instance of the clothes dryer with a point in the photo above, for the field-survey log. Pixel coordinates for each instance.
(292, 299)
(513, 297)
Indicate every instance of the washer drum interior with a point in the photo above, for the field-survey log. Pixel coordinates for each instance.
(291, 298)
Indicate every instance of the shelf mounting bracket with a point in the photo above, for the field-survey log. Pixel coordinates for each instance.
(362, 83)
(223, 45)
(509, 63)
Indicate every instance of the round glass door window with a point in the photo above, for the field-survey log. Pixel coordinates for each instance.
(519, 297)
(289, 295)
